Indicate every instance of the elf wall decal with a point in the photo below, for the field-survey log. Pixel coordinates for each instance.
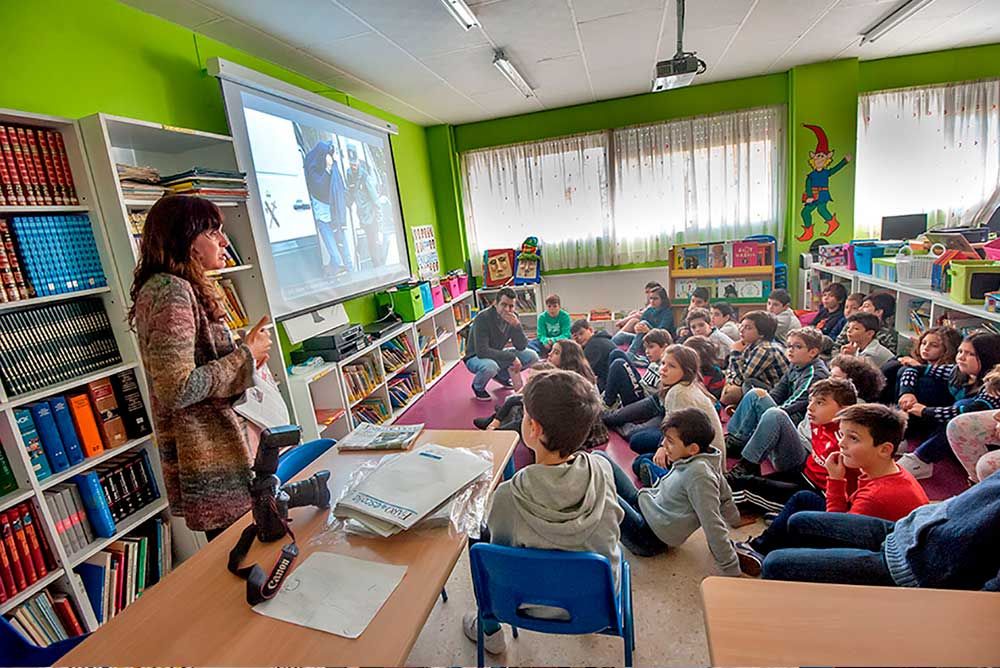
(816, 195)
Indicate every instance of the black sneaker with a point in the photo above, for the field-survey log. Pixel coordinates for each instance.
(482, 422)
(769, 518)
(751, 561)
(645, 474)
(504, 382)
(482, 395)
(743, 469)
(734, 445)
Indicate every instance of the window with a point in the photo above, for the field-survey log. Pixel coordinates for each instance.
(625, 196)
(929, 150)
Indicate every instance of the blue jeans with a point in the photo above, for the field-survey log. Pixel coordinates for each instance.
(645, 441)
(622, 382)
(487, 369)
(636, 534)
(540, 348)
(845, 549)
(777, 440)
(747, 415)
(936, 448)
(621, 338)
(776, 535)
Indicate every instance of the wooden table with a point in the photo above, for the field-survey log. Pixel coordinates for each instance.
(198, 615)
(770, 623)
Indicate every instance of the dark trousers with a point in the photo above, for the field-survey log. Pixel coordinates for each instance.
(636, 534)
(769, 493)
(776, 535)
(646, 441)
(622, 383)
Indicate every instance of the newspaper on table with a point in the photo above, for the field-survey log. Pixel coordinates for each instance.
(377, 437)
(405, 489)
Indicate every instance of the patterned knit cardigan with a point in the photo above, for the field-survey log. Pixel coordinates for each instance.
(195, 373)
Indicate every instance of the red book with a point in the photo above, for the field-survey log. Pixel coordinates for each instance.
(10, 269)
(64, 161)
(25, 165)
(31, 532)
(38, 167)
(50, 167)
(14, 561)
(3, 591)
(23, 551)
(13, 185)
(57, 164)
(67, 615)
(6, 575)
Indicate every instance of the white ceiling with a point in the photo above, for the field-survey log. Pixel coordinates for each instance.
(411, 58)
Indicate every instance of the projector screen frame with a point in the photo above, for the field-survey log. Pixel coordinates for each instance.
(232, 78)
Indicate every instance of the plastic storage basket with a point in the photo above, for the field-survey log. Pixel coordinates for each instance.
(972, 279)
(914, 270)
(884, 268)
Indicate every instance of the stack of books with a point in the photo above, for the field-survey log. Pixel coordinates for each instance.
(397, 353)
(403, 388)
(432, 365)
(54, 343)
(25, 556)
(121, 572)
(214, 184)
(46, 619)
(372, 410)
(140, 183)
(463, 312)
(236, 314)
(34, 168)
(55, 255)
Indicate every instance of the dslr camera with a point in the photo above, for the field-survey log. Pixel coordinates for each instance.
(271, 499)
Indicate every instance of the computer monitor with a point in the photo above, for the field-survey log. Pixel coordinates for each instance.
(903, 227)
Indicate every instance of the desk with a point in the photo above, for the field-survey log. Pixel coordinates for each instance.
(770, 623)
(198, 615)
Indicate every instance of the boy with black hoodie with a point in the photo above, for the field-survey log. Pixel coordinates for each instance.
(597, 347)
(566, 499)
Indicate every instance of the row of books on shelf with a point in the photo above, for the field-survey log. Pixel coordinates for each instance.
(120, 573)
(425, 342)
(34, 168)
(524, 304)
(137, 223)
(723, 288)
(403, 388)
(48, 255)
(236, 313)
(54, 343)
(397, 353)
(92, 503)
(372, 410)
(25, 556)
(46, 618)
(462, 312)
(431, 365)
(361, 377)
(723, 255)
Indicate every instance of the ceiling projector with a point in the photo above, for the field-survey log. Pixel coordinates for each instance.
(680, 70)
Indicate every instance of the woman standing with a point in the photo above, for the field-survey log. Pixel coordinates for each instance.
(195, 370)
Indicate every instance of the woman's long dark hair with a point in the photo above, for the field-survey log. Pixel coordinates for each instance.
(171, 227)
(571, 358)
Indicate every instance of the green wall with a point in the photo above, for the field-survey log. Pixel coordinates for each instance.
(72, 58)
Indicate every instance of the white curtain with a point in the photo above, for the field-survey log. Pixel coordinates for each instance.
(715, 177)
(928, 150)
(556, 190)
(698, 179)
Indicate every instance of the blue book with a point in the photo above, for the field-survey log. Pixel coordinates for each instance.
(64, 422)
(96, 504)
(52, 443)
(93, 577)
(39, 464)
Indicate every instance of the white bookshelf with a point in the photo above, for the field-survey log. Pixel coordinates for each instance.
(324, 388)
(30, 489)
(528, 315)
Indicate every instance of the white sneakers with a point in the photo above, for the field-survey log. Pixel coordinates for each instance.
(495, 643)
(917, 467)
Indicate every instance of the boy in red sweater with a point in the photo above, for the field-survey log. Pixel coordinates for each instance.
(805, 446)
(869, 434)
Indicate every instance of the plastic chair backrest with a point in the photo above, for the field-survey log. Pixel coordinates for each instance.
(16, 650)
(295, 459)
(506, 578)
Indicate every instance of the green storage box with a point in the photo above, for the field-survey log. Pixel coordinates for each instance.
(406, 302)
(972, 279)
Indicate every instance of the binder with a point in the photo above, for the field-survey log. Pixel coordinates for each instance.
(52, 442)
(64, 423)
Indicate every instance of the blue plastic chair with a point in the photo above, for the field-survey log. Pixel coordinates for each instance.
(293, 460)
(506, 578)
(16, 650)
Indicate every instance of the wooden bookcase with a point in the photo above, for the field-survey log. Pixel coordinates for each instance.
(30, 489)
(741, 304)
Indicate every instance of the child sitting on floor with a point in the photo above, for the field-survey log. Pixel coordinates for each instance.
(975, 437)
(883, 306)
(629, 322)
(566, 500)
(779, 304)
(700, 324)
(851, 306)
(947, 545)
(791, 394)
(628, 384)
(724, 320)
(937, 345)
(597, 347)
(699, 300)
(553, 325)
(867, 378)
(797, 453)
(712, 375)
(692, 494)
(861, 332)
(659, 315)
(830, 318)
(869, 434)
(977, 355)
(756, 360)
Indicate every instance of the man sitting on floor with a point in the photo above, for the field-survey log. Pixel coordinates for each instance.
(485, 356)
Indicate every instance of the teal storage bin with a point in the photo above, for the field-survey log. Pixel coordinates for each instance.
(427, 296)
(866, 252)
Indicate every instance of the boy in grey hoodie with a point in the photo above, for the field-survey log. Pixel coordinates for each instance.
(565, 500)
(693, 493)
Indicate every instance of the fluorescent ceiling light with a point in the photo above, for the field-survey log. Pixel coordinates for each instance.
(461, 13)
(893, 19)
(513, 76)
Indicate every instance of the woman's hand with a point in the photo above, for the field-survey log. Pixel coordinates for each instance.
(259, 342)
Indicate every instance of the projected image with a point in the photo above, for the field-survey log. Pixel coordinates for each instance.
(328, 199)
